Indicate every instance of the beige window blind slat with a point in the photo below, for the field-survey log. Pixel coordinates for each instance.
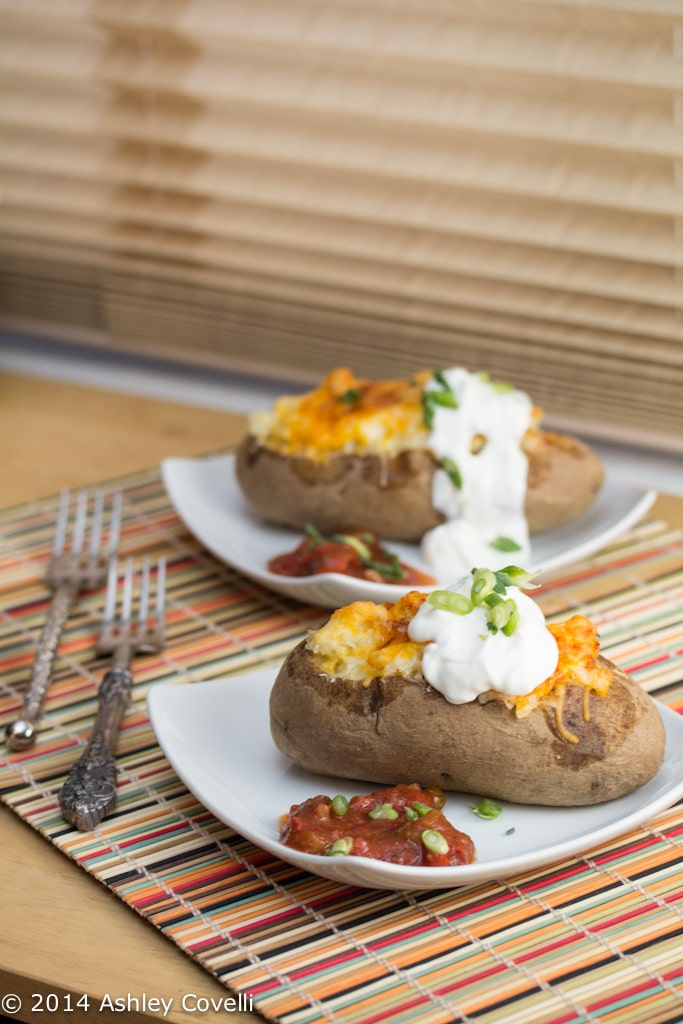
(363, 276)
(639, 184)
(564, 228)
(537, 339)
(277, 183)
(302, 333)
(428, 246)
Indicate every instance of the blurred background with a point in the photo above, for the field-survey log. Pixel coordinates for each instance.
(218, 200)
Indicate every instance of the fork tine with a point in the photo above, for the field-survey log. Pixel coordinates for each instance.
(110, 600)
(96, 527)
(79, 523)
(114, 524)
(62, 520)
(160, 609)
(143, 609)
(127, 599)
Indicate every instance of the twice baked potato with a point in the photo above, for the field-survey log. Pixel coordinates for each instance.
(357, 453)
(352, 701)
(391, 495)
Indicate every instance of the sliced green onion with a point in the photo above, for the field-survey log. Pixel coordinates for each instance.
(510, 831)
(505, 544)
(314, 534)
(339, 806)
(384, 811)
(361, 549)
(513, 576)
(501, 614)
(421, 808)
(434, 841)
(511, 624)
(502, 386)
(448, 601)
(340, 847)
(445, 398)
(450, 467)
(391, 569)
(411, 814)
(482, 584)
(350, 395)
(427, 411)
(388, 571)
(431, 398)
(493, 599)
(487, 809)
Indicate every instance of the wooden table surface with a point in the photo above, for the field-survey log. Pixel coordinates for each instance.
(63, 932)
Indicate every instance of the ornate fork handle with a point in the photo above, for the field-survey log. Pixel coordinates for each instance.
(20, 734)
(89, 793)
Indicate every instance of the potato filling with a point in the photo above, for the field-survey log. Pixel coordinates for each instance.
(348, 414)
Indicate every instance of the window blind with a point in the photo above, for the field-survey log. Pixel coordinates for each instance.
(283, 186)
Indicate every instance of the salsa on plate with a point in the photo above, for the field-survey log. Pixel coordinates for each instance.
(356, 553)
(404, 824)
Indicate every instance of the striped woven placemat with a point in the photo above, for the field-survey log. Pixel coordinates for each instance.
(594, 938)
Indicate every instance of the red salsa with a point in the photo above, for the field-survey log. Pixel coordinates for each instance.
(402, 825)
(356, 553)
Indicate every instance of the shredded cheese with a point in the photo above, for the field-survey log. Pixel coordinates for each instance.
(348, 414)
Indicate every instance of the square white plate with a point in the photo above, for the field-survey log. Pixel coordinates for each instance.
(216, 736)
(206, 496)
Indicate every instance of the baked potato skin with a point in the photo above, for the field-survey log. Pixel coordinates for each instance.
(564, 479)
(392, 495)
(389, 496)
(396, 730)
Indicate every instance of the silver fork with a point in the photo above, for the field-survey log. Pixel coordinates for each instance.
(74, 566)
(89, 792)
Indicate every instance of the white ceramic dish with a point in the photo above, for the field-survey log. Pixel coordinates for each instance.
(216, 736)
(206, 496)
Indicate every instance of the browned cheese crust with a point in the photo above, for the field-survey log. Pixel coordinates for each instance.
(392, 496)
(396, 730)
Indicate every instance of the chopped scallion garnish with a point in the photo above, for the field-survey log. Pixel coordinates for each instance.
(340, 806)
(314, 534)
(487, 809)
(431, 398)
(483, 583)
(452, 470)
(340, 847)
(434, 841)
(385, 811)
(448, 601)
(350, 395)
(361, 549)
(505, 544)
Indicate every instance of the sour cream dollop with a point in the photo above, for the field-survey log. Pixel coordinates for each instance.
(463, 659)
(479, 439)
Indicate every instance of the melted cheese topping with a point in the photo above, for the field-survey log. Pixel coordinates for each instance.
(346, 415)
(364, 641)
